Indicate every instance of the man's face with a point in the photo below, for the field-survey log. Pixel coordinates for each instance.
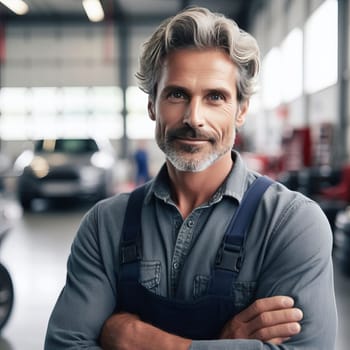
(196, 109)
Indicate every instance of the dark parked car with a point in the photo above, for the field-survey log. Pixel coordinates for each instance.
(66, 168)
(6, 285)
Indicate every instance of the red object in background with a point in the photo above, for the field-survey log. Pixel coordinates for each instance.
(305, 135)
(2, 44)
(341, 191)
(297, 153)
(322, 144)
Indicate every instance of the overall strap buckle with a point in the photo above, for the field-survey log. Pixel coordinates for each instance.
(130, 248)
(130, 251)
(229, 257)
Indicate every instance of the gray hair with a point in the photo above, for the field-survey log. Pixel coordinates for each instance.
(200, 28)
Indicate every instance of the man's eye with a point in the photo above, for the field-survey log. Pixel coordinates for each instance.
(177, 95)
(216, 97)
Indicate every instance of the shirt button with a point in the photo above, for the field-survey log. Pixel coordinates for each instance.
(190, 223)
(176, 265)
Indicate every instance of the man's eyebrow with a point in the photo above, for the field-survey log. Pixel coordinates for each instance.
(220, 90)
(170, 88)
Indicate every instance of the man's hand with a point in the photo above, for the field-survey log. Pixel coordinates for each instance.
(124, 331)
(271, 320)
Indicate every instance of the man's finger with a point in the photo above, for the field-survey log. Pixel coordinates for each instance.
(273, 318)
(264, 305)
(279, 331)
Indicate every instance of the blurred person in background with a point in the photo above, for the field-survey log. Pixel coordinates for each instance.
(166, 267)
(141, 163)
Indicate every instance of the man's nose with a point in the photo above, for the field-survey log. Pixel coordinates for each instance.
(194, 113)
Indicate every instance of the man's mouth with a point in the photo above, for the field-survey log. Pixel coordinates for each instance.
(192, 139)
(189, 135)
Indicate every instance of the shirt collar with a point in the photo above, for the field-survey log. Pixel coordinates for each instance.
(160, 185)
(239, 178)
(234, 186)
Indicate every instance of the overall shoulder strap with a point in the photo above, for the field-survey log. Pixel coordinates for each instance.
(246, 211)
(130, 249)
(230, 254)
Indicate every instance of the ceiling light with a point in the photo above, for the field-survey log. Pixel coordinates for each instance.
(19, 7)
(94, 10)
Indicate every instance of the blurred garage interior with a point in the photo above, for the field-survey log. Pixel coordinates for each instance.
(71, 119)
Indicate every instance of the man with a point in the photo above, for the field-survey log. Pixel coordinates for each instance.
(164, 273)
(141, 163)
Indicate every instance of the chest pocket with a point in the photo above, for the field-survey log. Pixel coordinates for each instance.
(150, 275)
(243, 293)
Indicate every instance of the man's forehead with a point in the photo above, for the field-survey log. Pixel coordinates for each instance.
(210, 66)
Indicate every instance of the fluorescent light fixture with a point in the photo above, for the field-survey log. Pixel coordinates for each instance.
(19, 7)
(94, 10)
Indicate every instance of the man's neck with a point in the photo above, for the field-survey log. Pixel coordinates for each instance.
(191, 189)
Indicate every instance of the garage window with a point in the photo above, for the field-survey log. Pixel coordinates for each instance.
(41, 112)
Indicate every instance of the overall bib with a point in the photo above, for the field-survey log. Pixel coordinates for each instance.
(204, 318)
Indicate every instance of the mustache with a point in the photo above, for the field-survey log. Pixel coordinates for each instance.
(189, 132)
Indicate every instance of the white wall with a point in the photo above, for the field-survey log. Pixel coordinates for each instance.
(69, 55)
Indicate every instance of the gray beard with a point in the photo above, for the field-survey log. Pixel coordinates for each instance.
(190, 165)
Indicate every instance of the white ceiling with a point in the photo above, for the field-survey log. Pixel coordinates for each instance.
(130, 10)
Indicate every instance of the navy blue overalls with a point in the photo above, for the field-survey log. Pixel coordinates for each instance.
(204, 318)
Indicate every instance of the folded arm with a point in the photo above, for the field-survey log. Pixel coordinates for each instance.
(300, 266)
(271, 320)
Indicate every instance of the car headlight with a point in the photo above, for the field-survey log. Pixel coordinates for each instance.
(40, 167)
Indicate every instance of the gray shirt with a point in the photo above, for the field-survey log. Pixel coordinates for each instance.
(287, 252)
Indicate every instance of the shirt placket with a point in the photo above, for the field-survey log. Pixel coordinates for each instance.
(182, 247)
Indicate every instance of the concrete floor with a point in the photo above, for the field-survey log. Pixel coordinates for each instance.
(35, 253)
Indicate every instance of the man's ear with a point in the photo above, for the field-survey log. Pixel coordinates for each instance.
(241, 113)
(150, 108)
